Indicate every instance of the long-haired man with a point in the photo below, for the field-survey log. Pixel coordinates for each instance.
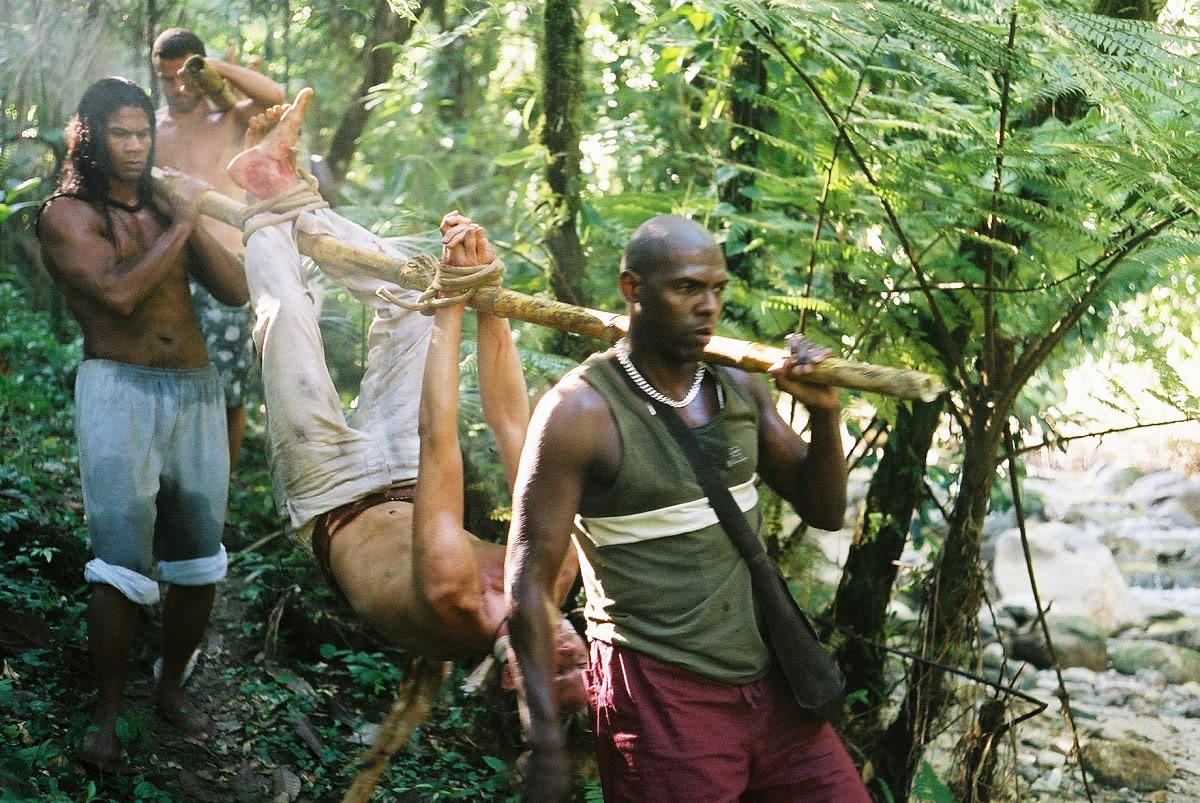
(149, 412)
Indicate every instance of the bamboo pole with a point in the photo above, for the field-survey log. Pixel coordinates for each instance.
(607, 326)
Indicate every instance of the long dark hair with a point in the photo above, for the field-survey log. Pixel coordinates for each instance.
(87, 170)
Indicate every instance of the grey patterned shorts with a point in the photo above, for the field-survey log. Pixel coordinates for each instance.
(227, 337)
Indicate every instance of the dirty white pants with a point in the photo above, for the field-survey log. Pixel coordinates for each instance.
(318, 460)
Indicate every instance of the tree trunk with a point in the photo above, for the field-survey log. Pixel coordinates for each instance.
(953, 596)
(749, 81)
(562, 89)
(387, 27)
(860, 605)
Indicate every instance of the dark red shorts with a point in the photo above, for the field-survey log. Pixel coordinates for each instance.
(666, 734)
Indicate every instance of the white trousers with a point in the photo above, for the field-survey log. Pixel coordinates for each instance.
(318, 460)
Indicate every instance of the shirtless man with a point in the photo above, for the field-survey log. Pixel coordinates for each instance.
(395, 550)
(197, 137)
(152, 454)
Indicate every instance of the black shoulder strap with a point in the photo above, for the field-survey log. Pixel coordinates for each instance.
(732, 519)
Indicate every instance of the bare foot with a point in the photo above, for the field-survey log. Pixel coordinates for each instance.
(191, 721)
(101, 749)
(268, 166)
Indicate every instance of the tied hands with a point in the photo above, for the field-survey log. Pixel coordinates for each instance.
(464, 242)
(790, 372)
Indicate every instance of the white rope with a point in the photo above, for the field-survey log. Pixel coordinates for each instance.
(286, 206)
(451, 284)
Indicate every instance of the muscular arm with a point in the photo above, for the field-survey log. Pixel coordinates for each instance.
(562, 440)
(219, 271)
(812, 477)
(260, 91)
(73, 240)
(502, 391)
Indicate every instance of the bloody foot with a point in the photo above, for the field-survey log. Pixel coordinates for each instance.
(268, 165)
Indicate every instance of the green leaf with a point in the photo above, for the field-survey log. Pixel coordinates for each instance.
(497, 764)
(928, 786)
(521, 155)
(328, 651)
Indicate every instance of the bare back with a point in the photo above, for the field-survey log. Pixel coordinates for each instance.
(201, 144)
(376, 550)
(160, 329)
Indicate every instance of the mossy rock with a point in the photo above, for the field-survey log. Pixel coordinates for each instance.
(1078, 641)
(1125, 763)
(1178, 664)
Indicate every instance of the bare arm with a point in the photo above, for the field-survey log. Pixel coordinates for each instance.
(563, 436)
(219, 271)
(502, 391)
(812, 477)
(501, 380)
(260, 91)
(74, 243)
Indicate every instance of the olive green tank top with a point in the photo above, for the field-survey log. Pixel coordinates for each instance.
(661, 575)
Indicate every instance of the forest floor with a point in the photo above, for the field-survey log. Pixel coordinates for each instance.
(288, 725)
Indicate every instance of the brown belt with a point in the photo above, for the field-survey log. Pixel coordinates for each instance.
(328, 524)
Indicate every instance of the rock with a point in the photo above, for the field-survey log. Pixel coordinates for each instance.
(993, 655)
(1074, 571)
(1156, 487)
(1174, 512)
(1050, 782)
(1184, 632)
(1078, 642)
(1126, 763)
(1110, 479)
(1049, 758)
(1177, 664)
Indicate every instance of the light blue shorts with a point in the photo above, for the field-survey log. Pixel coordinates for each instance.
(154, 465)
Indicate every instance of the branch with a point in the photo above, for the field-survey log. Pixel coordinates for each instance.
(1048, 442)
(989, 309)
(823, 201)
(1063, 697)
(956, 371)
(1041, 348)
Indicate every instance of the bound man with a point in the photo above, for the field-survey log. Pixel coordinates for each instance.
(685, 702)
(199, 131)
(381, 501)
(149, 411)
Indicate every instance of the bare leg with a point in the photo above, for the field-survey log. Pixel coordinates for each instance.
(235, 424)
(185, 615)
(111, 626)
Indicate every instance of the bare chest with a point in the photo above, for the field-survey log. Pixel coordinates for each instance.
(202, 147)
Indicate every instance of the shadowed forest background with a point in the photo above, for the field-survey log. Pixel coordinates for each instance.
(1001, 194)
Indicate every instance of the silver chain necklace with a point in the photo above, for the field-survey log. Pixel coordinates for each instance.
(622, 350)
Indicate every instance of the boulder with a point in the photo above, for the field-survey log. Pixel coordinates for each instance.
(1184, 632)
(1110, 479)
(1076, 575)
(1177, 664)
(1078, 641)
(1156, 487)
(1125, 763)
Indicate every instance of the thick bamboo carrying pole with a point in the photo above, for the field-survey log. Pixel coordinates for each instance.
(606, 326)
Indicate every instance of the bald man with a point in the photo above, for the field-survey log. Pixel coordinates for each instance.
(685, 700)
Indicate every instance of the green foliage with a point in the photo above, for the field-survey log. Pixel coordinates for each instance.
(928, 786)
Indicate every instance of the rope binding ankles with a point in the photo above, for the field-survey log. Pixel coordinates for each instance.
(286, 206)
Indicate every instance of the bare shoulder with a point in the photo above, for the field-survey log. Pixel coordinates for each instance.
(65, 217)
(754, 384)
(572, 416)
